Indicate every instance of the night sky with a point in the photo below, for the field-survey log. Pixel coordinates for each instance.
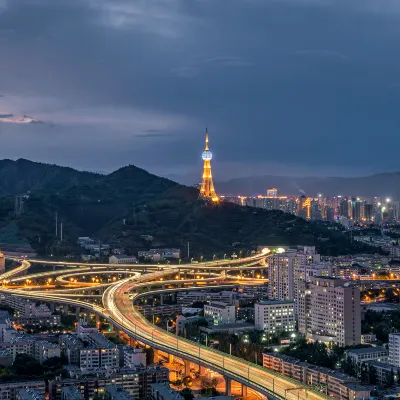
(285, 87)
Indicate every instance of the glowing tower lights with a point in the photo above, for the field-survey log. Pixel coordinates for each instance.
(207, 190)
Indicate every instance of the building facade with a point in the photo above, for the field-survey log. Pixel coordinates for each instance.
(275, 316)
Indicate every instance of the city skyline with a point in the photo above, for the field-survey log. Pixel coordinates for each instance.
(269, 95)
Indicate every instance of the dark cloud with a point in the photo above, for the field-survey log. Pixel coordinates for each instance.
(6, 115)
(290, 86)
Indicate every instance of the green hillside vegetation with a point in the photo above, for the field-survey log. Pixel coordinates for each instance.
(120, 207)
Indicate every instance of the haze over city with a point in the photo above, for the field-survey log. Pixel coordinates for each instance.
(199, 199)
(302, 87)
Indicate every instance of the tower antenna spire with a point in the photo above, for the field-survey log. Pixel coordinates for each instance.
(207, 190)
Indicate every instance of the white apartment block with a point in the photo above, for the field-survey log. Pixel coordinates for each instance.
(280, 275)
(329, 311)
(275, 316)
(45, 350)
(9, 390)
(289, 266)
(368, 338)
(360, 356)
(122, 259)
(189, 297)
(220, 313)
(134, 357)
(394, 349)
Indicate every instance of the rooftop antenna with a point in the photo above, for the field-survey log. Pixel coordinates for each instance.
(56, 223)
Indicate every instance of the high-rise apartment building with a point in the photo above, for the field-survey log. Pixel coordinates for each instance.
(273, 316)
(329, 311)
(287, 267)
(280, 275)
(272, 192)
(2, 263)
(394, 349)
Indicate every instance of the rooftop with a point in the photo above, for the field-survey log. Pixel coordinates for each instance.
(166, 391)
(274, 302)
(366, 350)
(117, 392)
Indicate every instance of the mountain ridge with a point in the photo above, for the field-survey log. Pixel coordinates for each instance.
(381, 184)
(121, 207)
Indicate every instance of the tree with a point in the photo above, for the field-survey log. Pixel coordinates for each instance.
(149, 355)
(26, 365)
(187, 381)
(187, 394)
(372, 375)
(206, 385)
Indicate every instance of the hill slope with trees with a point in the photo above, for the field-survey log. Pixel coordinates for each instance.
(121, 207)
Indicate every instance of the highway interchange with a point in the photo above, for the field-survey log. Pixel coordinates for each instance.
(117, 307)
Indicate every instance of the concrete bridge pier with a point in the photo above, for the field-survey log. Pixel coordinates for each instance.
(162, 299)
(187, 367)
(244, 390)
(228, 386)
(52, 307)
(156, 355)
(77, 312)
(66, 308)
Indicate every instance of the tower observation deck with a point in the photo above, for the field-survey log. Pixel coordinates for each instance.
(207, 190)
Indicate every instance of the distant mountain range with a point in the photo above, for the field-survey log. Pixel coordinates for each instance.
(120, 207)
(385, 184)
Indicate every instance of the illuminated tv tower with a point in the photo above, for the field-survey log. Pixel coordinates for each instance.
(207, 190)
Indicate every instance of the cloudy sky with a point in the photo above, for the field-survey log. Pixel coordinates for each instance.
(287, 87)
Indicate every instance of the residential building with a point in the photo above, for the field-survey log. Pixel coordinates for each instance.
(162, 391)
(220, 313)
(122, 259)
(330, 311)
(368, 338)
(189, 297)
(6, 358)
(394, 349)
(134, 358)
(90, 351)
(275, 316)
(156, 255)
(71, 393)
(2, 263)
(136, 381)
(5, 323)
(304, 271)
(384, 372)
(29, 394)
(337, 385)
(50, 321)
(363, 355)
(9, 390)
(45, 350)
(280, 274)
(117, 392)
(83, 328)
(71, 346)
